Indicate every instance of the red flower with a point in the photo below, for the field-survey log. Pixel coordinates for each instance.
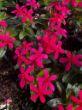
(27, 14)
(23, 12)
(47, 82)
(25, 76)
(48, 43)
(70, 60)
(74, 3)
(6, 40)
(58, 49)
(18, 10)
(37, 57)
(69, 107)
(33, 4)
(78, 101)
(60, 31)
(57, 19)
(38, 92)
(79, 5)
(22, 51)
(3, 23)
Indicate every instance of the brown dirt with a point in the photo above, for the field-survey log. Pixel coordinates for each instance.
(8, 85)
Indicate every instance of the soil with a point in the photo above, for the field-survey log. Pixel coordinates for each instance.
(8, 85)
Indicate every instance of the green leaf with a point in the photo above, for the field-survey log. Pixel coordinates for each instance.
(59, 86)
(16, 67)
(66, 77)
(72, 88)
(2, 16)
(17, 43)
(76, 89)
(13, 31)
(78, 0)
(68, 90)
(21, 35)
(40, 73)
(54, 102)
(81, 69)
(2, 52)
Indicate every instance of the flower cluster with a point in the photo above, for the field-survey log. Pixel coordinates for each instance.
(25, 76)
(69, 107)
(45, 86)
(74, 3)
(60, 13)
(23, 12)
(76, 100)
(30, 59)
(71, 59)
(3, 23)
(33, 4)
(6, 40)
(40, 53)
(51, 45)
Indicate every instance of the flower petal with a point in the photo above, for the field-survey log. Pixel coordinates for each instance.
(60, 107)
(69, 107)
(56, 55)
(34, 97)
(63, 60)
(22, 83)
(42, 99)
(80, 94)
(46, 74)
(53, 78)
(51, 86)
(68, 66)
(33, 88)
(47, 90)
(74, 99)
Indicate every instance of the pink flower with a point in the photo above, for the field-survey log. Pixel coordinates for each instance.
(66, 2)
(48, 43)
(62, 8)
(47, 82)
(74, 3)
(70, 60)
(3, 23)
(22, 60)
(78, 101)
(18, 10)
(27, 14)
(58, 49)
(38, 92)
(61, 31)
(6, 40)
(22, 51)
(33, 4)
(55, 24)
(25, 76)
(37, 57)
(23, 12)
(57, 19)
(51, 45)
(79, 5)
(69, 107)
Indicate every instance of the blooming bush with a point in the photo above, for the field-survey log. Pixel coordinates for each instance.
(37, 32)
